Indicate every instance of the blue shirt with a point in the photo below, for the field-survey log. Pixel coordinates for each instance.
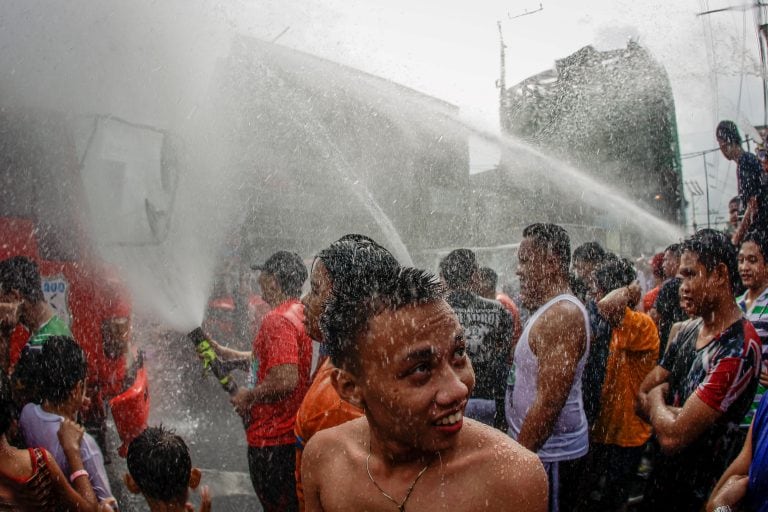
(757, 489)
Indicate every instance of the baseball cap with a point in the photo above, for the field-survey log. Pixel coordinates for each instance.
(287, 267)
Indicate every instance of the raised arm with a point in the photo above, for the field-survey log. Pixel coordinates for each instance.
(558, 340)
(79, 496)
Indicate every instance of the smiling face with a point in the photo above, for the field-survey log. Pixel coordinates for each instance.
(752, 268)
(414, 376)
(314, 301)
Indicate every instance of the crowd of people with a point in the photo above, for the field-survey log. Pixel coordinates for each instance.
(436, 392)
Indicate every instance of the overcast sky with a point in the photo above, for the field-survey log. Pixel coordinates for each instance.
(83, 55)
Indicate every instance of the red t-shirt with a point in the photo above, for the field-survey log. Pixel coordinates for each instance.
(280, 340)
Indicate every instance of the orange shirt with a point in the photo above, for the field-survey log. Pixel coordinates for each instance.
(321, 408)
(632, 354)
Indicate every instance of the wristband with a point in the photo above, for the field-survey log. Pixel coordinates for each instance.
(723, 508)
(77, 474)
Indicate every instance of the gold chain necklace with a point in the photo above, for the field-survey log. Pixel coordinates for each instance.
(400, 506)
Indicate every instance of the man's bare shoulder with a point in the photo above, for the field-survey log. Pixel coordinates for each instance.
(511, 473)
(344, 436)
(563, 311)
(495, 447)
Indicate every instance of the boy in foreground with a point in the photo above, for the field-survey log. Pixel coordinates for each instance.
(401, 357)
(160, 468)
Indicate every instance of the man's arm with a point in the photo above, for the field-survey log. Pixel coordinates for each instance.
(558, 340)
(730, 495)
(613, 306)
(311, 468)
(279, 382)
(746, 222)
(656, 377)
(676, 430)
(228, 354)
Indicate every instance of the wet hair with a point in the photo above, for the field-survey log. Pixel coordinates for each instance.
(713, 248)
(488, 277)
(615, 273)
(727, 131)
(8, 411)
(22, 274)
(356, 261)
(555, 239)
(590, 251)
(760, 239)
(676, 249)
(458, 268)
(62, 366)
(159, 462)
(349, 311)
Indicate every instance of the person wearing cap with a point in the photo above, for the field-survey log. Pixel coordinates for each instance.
(281, 358)
(749, 177)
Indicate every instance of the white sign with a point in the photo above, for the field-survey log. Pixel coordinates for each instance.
(56, 293)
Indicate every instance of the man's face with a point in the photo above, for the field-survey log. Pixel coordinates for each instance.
(733, 213)
(415, 377)
(268, 287)
(670, 264)
(314, 301)
(10, 309)
(535, 267)
(727, 149)
(698, 286)
(752, 268)
(116, 333)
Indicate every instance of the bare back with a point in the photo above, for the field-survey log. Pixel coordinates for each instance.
(485, 470)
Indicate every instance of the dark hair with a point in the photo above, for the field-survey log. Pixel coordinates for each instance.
(727, 131)
(555, 239)
(676, 249)
(760, 238)
(356, 261)
(458, 268)
(159, 462)
(590, 251)
(8, 411)
(349, 311)
(21, 273)
(62, 366)
(714, 248)
(488, 276)
(735, 199)
(615, 273)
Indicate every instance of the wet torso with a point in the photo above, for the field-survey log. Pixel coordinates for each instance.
(465, 479)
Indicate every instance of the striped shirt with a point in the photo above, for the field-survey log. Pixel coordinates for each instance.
(758, 315)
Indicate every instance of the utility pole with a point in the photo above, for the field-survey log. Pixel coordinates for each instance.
(501, 83)
(762, 42)
(706, 185)
(695, 190)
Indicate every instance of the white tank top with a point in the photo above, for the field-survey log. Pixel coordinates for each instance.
(570, 438)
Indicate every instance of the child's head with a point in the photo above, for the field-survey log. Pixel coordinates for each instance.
(160, 467)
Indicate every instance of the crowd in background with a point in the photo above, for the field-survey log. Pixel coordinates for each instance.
(604, 384)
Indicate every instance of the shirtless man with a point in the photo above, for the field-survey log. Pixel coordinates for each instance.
(401, 357)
